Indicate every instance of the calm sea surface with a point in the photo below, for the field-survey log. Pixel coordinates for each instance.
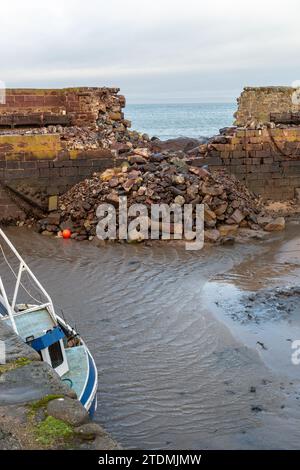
(174, 120)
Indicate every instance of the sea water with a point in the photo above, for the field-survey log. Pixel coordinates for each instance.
(168, 121)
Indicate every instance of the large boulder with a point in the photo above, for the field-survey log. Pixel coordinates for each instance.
(211, 235)
(31, 382)
(275, 225)
(180, 143)
(68, 410)
(226, 230)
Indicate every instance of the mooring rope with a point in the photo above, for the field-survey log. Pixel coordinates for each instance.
(273, 141)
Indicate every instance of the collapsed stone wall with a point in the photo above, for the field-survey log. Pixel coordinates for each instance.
(266, 160)
(85, 106)
(76, 131)
(51, 139)
(35, 167)
(257, 104)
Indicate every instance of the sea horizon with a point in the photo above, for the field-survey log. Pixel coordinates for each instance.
(172, 120)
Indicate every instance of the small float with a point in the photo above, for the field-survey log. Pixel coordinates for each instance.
(57, 343)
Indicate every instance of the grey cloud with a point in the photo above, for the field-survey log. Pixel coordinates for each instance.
(155, 51)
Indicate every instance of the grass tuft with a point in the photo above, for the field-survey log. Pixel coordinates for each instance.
(43, 402)
(52, 430)
(21, 362)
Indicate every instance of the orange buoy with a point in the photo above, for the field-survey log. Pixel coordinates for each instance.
(66, 233)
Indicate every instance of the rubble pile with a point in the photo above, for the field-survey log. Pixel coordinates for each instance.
(112, 135)
(84, 118)
(166, 177)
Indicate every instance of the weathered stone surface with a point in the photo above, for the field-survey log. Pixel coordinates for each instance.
(202, 172)
(115, 116)
(31, 382)
(297, 194)
(209, 215)
(47, 233)
(228, 240)
(236, 217)
(247, 233)
(178, 179)
(221, 208)
(105, 442)
(15, 347)
(53, 218)
(143, 152)
(89, 431)
(137, 159)
(226, 230)
(181, 143)
(68, 410)
(263, 220)
(276, 225)
(212, 190)
(256, 104)
(179, 200)
(52, 203)
(57, 108)
(211, 235)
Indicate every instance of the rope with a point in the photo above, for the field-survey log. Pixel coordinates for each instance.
(280, 149)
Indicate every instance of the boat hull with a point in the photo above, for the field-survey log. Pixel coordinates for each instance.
(88, 396)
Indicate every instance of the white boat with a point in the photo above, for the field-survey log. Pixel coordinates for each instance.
(58, 344)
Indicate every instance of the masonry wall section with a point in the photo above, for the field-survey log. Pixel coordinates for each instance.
(39, 166)
(256, 104)
(9, 210)
(82, 106)
(267, 161)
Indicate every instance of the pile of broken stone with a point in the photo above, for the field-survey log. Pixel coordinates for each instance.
(146, 177)
(114, 135)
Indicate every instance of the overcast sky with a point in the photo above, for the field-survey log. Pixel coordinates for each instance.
(154, 50)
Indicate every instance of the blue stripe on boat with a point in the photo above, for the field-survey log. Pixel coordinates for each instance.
(90, 383)
(49, 338)
(3, 309)
(93, 407)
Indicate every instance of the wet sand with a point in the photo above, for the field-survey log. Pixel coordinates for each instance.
(179, 367)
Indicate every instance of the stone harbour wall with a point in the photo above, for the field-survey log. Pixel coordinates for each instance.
(68, 106)
(256, 104)
(266, 160)
(35, 167)
(9, 210)
(52, 139)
